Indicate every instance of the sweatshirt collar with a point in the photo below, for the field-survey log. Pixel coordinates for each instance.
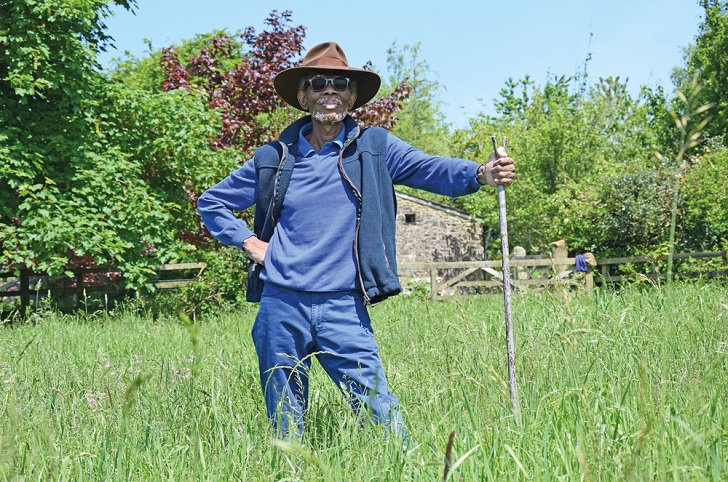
(305, 148)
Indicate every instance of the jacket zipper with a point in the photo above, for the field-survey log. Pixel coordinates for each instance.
(357, 193)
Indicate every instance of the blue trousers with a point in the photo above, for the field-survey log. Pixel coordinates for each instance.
(292, 327)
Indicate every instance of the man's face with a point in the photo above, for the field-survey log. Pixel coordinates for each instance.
(330, 105)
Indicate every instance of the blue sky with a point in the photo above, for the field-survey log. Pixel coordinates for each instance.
(471, 47)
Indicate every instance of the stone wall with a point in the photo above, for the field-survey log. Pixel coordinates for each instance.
(428, 231)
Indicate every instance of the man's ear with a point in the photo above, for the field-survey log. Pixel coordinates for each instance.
(353, 100)
(302, 100)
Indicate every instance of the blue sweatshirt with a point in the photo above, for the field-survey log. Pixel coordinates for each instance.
(312, 244)
(313, 247)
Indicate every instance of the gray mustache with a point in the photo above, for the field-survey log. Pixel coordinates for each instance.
(329, 100)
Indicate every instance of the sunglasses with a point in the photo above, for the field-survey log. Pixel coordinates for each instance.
(318, 84)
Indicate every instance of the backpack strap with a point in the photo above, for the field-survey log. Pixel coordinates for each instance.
(274, 167)
(283, 179)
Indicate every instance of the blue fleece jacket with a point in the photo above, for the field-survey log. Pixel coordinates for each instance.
(358, 208)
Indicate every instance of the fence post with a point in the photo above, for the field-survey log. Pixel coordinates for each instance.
(79, 290)
(24, 291)
(519, 252)
(589, 278)
(559, 251)
(433, 283)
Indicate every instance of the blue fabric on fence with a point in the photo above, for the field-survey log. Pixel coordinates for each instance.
(581, 263)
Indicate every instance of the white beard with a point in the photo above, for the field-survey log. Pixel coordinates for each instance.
(328, 118)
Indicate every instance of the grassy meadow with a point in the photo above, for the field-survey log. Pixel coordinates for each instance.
(616, 385)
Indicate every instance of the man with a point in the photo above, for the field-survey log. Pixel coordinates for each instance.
(322, 245)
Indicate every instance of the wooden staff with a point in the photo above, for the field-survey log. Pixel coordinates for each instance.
(505, 251)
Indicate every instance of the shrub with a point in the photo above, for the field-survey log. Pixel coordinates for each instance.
(704, 207)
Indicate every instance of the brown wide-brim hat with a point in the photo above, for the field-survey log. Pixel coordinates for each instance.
(326, 57)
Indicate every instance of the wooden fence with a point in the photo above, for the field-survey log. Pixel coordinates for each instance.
(528, 272)
(29, 284)
(607, 264)
(443, 278)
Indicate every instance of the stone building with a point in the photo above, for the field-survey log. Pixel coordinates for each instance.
(428, 231)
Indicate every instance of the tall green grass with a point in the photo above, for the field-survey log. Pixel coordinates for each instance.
(627, 385)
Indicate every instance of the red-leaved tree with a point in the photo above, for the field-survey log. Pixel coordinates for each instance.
(251, 111)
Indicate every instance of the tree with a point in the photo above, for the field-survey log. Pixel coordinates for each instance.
(707, 61)
(704, 204)
(68, 193)
(421, 121)
(169, 135)
(690, 136)
(243, 93)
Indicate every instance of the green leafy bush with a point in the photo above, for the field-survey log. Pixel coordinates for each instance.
(704, 207)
